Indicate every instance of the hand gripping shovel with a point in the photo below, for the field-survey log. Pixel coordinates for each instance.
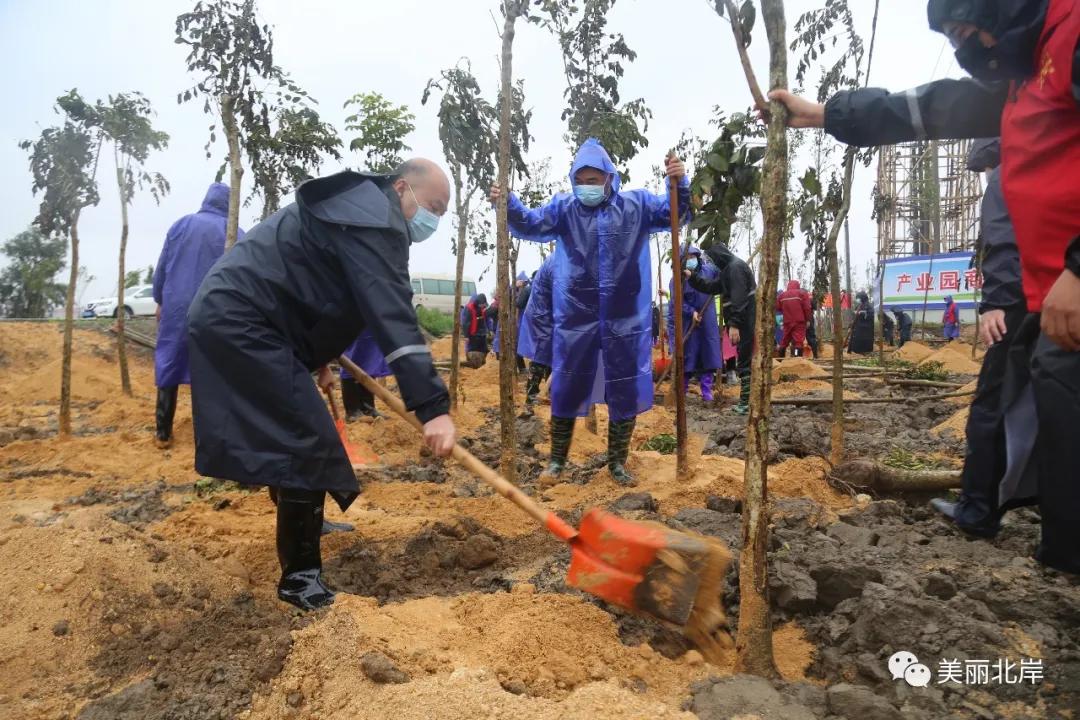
(644, 567)
(357, 457)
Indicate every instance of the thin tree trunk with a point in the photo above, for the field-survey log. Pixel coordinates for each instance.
(847, 251)
(232, 135)
(836, 448)
(455, 350)
(507, 361)
(121, 316)
(69, 318)
(679, 376)
(754, 642)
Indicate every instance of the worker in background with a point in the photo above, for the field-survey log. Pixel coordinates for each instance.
(358, 400)
(702, 352)
(904, 324)
(192, 246)
(720, 272)
(862, 330)
(279, 306)
(1025, 59)
(950, 320)
(811, 329)
(475, 329)
(601, 289)
(655, 324)
(794, 306)
(888, 329)
(534, 340)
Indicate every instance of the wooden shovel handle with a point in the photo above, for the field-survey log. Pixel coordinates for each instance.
(333, 403)
(466, 459)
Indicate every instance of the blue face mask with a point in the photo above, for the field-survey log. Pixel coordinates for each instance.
(423, 224)
(590, 195)
(692, 264)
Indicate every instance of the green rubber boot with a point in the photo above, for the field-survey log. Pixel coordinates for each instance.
(743, 408)
(619, 436)
(562, 432)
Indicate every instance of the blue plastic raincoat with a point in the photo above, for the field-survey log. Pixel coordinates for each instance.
(601, 289)
(192, 246)
(366, 354)
(703, 350)
(534, 337)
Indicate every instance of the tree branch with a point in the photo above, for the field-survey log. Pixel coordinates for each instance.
(748, 69)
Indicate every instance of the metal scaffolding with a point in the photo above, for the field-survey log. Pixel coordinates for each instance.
(926, 201)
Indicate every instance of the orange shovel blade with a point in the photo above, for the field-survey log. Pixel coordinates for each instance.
(644, 567)
(358, 456)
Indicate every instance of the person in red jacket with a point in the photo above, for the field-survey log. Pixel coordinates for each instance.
(794, 303)
(1025, 59)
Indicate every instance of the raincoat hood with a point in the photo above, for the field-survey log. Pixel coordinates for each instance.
(794, 285)
(721, 255)
(593, 155)
(478, 300)
(985, 155)
(948, 300)
(216, 200)
(522, 277)
(693, 250)
(1014, 24)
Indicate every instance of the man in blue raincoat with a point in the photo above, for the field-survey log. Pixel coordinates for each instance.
(601, 293)
(702, 352)
(534, 338)
(192, 245)
(358, 400)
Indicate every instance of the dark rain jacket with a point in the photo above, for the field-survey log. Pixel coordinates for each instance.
(1002, 287)
(287, 299)
(904, 321)
(722, 273)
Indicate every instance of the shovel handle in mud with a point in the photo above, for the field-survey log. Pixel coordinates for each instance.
(556, 525)
(333, 403)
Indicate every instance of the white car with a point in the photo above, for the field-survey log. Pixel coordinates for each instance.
(138, 300)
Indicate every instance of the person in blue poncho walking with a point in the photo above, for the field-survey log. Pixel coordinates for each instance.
(534, 337)
(702, 350)
(601, 293)
(358, 400)
(192, 246)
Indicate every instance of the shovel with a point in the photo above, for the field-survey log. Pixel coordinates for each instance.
(357, 457)
(646, 568)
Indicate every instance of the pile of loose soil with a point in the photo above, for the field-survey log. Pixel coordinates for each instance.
(955, 426)
(914, 352)
(794, 367)
(954, 362)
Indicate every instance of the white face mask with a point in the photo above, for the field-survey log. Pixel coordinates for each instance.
(424, 223)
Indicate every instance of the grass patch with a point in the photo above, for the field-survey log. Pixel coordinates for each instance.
(902, 459)
(435, 322)
(664, 444)
(934, 371)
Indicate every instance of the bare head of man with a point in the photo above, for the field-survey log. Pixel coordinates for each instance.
(422, 184)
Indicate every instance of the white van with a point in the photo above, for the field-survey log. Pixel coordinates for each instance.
(436, 292)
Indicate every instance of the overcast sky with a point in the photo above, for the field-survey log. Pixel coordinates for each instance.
(686, 65)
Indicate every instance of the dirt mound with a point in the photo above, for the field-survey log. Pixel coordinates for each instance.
(795, 368)
(954, 362)
(914, 352)
(955, 426)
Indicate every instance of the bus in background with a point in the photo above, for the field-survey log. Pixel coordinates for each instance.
(436, 292)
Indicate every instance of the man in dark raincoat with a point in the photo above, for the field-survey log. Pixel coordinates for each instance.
(794, 305)
(904, 324)
(357, 399)
(534, 339)
(888, 328)
(192, 246)
(475, 329)
(288, 299)
(1025, 59)
(862, 330)
(1001, 312)
(720, 272)
(702, 350)
(601, 289)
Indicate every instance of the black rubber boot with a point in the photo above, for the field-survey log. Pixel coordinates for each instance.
(619, 436)
(299, 526)
(328, 526)
(562, 433)
(164, 414)
(358, 401)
